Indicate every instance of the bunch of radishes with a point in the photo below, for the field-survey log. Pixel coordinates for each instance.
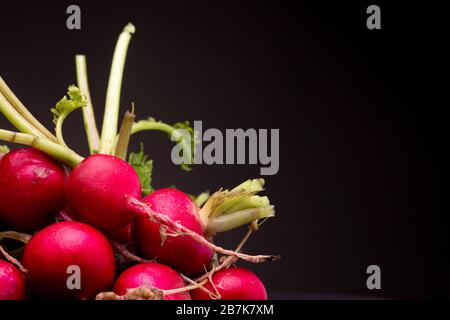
(94, 227)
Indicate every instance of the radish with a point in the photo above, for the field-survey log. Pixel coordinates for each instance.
(182, 252)
(61, 252)
(97, 191)
(32, 189)
(233, 284)
(123, 235)
(122, 239)
(104, 191)
(12, 282)
(151, 275)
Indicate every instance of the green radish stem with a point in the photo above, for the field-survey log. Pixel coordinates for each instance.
(73, 100)
(228, 209)
(236, 219)
(3, 149)
(55, 150)
(174, 133)
(111, 116)
(124, 134)
(15, 118)
(90, 125)
(16, 104)
(58, 129)
(202, 198)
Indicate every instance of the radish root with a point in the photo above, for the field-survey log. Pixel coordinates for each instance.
(14, 235)
(13, 260)
(144, 293)
(144, 210)
(120, 248)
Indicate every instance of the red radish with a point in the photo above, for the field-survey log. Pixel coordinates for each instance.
(153, 275)
(234, 284)
(97, 191)
(122, 235)
(12, 282)
(104, 191)
(53, 254)
(32, 189)
(181, 252)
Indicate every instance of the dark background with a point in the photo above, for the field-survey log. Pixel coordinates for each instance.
(354, 186)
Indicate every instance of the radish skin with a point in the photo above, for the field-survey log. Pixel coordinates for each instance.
(104, 191)
(51, 251)
(153, 275)
(12, 282)
(97, 191)
(181, 252)
(233, 284)
(32, 189)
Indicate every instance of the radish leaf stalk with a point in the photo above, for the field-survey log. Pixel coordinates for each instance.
(124, 135)
(111, 116)
(90, 125)
(23, 111)
(226, 210)
(4, 149)
(175, 132)
(16, 119)
(64, 107)
(201, 198)
(54, 150)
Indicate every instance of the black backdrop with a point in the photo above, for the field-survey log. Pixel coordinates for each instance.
(354, 182)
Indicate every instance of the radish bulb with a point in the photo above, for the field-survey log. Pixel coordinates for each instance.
(104, 191)
(181, 252)
(151, 275)
(32, 189)
(12, 282)
(233, 284)
(68, 260)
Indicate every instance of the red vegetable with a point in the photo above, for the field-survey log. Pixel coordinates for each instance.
(181, 252)
(97, 188)
(123, 235)
(234, 284)
(32, 189)
(153, 275)
(104, 191)
(52, 253)
(12, 282)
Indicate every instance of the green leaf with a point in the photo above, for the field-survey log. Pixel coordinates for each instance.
(143, 167)
(74, 100)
